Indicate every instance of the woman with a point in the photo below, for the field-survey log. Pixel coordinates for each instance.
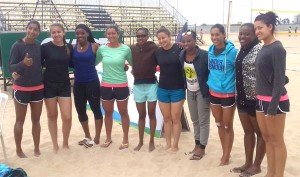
(171, 90)
(145, 84)
(246, 100)
(114, 84)
(195, 64)
(25, 65)
(273, 102)
(221, 82)
(56, 56)
(86, 85)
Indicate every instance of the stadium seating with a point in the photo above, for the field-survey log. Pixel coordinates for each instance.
(15, 16)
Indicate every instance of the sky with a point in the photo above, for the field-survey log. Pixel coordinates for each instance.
(211, 11)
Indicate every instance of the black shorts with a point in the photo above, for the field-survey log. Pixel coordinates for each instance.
(57, 89)
(248, 106)
(283, 106)
(118, 93)
(25, 97)
(223, 102)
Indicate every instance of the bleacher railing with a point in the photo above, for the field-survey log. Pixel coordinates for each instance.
(177, 15)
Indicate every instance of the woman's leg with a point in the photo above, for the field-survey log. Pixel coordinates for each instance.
(51, 106)
(249, 141)
(227, 117)
(80, 100)
(165, 109)
(217, 113)
(122, 107)
(18, 128)
(36, 110)
(261, 120)
(152, 120)
(204, 122)
(141, 108)
(260, 148)
(65, 105)
(93, 96)
(192, 104)
(108, 107)
(275, 128)
(176, 110)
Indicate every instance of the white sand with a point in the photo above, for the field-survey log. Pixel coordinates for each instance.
(96, 161)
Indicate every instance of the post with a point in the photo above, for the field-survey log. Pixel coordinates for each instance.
(229, 19)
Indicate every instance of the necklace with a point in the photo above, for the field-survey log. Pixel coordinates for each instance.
(82, 47)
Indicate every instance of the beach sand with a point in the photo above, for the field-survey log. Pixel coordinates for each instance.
(96, 161)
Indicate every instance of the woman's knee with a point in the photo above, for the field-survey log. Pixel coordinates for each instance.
(82, 117)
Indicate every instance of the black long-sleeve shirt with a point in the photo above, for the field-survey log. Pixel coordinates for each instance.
(29, 75)
(270, 74)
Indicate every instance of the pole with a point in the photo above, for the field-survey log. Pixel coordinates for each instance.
(251, 11)
(229, 19)
(223, 12)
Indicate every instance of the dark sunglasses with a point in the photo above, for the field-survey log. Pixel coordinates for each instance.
(143, 35)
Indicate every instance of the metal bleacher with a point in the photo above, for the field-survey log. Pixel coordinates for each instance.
(15, 15)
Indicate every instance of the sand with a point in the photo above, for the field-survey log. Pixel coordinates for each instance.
(96, 161)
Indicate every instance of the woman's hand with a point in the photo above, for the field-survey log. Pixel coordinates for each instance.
(27, 60)
(15, 75)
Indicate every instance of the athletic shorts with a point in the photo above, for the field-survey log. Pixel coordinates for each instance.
(25, 97)
(283, 106)
(223, 102)
(170, 96)
(114, 93)
(145, 92)
(57, 89)
(248, 107)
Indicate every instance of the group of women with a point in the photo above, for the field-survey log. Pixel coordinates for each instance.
(252, 78)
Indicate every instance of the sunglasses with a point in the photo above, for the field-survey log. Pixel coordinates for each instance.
(143, 35)
(187, 33)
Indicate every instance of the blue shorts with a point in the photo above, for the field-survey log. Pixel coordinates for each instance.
(170, 96)
(145, 92)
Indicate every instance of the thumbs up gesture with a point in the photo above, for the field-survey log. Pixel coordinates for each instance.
(27, 60)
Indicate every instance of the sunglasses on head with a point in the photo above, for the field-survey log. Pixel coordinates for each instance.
(143, 35)
(187, 33)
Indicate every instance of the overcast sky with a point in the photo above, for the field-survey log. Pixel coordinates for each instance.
(211, 11)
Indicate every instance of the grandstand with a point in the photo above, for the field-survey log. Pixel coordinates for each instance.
(15, 14)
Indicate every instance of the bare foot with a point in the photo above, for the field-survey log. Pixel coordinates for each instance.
(55, 149)
(224, 162)
(37, 152)
(21, 154)
(139, 146)
(253, 170)
(151, 146)
(66, 146)
(96, 141)
(174, 149)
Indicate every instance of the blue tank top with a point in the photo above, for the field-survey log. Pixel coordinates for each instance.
(84, 65)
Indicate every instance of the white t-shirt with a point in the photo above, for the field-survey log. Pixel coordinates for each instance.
(191, 77)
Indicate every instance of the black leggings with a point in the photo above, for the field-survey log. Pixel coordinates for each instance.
(87, 91)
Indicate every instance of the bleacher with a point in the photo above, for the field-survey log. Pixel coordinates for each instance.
(15, 16)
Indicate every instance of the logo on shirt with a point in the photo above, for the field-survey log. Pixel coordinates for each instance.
(215, 64)
(189, 72)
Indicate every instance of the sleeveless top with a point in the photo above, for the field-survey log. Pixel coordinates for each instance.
(84, 65)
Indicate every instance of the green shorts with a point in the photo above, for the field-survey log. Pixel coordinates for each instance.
(145, 92)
